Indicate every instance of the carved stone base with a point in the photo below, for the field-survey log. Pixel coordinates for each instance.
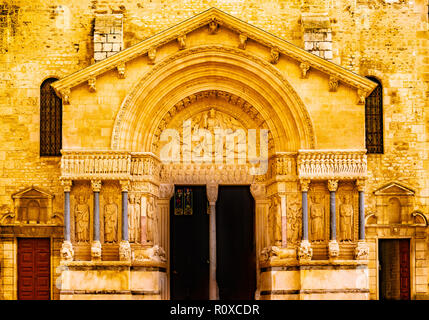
(67, 252)
(155, 253)
(96, 251)
(277, 253)
(362, 251)
(124, 251)
(305, 252)
(333, 249)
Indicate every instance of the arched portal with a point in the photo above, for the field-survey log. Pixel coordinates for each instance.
(199, 69)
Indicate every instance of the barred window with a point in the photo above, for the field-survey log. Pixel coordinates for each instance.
(374, 119)
(50, 120)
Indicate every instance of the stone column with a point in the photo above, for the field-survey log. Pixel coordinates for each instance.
(362, 248)
(166, 191)
(212, 193)
(124, 246)
(96, 245)
(334, 248)
(262, 205)
(67, 252)
(305, 252)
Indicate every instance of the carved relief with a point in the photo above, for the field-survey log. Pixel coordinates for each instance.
(274, 222)
(346, 218)
(182, 41)
(152, 221)
(333, 84)
(213, 27)
(65, 96)
(81, 218)
(361, 96)
(304, 66)
(317, 217)
(274, 55)
(110, 219)
(91, 84)
(243, 40)
(133, 218)
(121, 70)
(151, 54)
(294, 218)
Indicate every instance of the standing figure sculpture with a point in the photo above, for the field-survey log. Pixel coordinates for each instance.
(133, 218)
(152, 221)
(110, 220)
(346, 215)
(275, 222)
(294, 219)
(82, 219)
(317, 213)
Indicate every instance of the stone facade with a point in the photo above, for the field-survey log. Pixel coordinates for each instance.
(384, 39)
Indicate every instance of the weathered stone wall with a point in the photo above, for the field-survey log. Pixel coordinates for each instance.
(385, 39)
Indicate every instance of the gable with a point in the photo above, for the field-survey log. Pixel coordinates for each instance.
(394, 189)
(32, 193)
(214, 20)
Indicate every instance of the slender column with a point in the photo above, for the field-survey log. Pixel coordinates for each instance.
(166, 191)
(212, 193)
(305, 252)
(124, 246)
(96, 245)
(283, 220)
(361, 189)
(334, 248)
(362, 248)
(67, 252)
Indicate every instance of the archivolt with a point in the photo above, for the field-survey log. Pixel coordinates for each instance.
(213, 68)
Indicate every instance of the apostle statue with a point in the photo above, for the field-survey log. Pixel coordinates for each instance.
(110, 220)
(82, 219)
(317, 213)
(346, 215)
(133, 218)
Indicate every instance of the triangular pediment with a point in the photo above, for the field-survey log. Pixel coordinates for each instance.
(63, 86)
(32, 193)
(394, 189)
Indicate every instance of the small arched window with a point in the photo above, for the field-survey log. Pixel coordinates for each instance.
(50, 120)
(374, 119)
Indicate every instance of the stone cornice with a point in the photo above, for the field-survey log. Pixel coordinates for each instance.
(63, 86)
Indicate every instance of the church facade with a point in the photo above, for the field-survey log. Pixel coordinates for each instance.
(229, 150)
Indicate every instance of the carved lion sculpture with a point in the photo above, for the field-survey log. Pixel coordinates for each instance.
(155, 253)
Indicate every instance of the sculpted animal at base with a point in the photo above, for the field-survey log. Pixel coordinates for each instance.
(274, 253)
(155, 253)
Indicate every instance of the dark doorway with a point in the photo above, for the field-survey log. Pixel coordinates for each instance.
(189, 241)
(235, 244)
(34, 269)
(394, 269)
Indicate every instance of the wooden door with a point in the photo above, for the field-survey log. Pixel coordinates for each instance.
(235, 243)
(189, 245)
(34, 269)
(404, 258)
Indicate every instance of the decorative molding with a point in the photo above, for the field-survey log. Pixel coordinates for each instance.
(308, 128)
(67, 184)
(216, 17)
(304, 66)
(151, 55)
(67, 252)
(332, 164)
(332, 185)
(305, 251)
(121, 70)
(213, 26)
(64, 94)
(96, 185)
(333, 83)
(258, 191)
(243, 41)
(362, 94)
(333, 249)
(166, 191)
(212, 193)
(362, 251)
(274, 55)
(305, 184)
(181, 39)
(394, 189)
(91, 84)
(360, 184)
(125, 185)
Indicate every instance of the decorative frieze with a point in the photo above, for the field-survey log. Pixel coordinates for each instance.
(332, 164)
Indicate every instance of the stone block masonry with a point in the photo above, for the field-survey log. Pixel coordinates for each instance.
(108, 35)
